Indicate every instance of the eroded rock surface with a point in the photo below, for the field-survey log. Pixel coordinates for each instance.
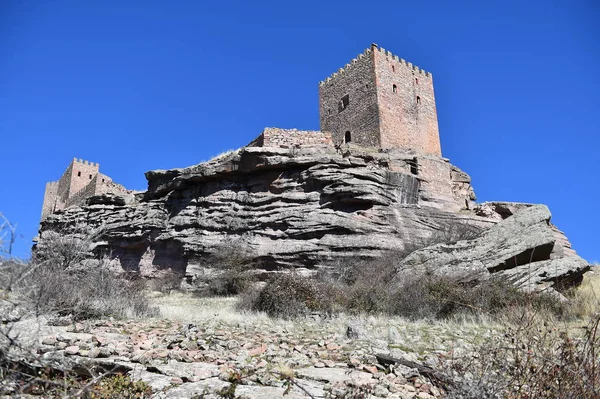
(522, 249)
(300, 207)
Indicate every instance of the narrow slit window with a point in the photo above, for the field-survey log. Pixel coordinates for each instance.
(418, 100)
(347, 137)
(393, 69)
(394, 88)
(414, 167)
(90, 177)
(417, 80)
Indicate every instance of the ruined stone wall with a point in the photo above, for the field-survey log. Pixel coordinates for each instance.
(105, 185)
(82, 194)
(407, 112)
(50, 195)
(443, 184)
(287, 138)
(348, 103)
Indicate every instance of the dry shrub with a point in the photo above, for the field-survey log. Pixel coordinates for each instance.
(234, 262)
(533, 358)
(373, 287)
(56, 281)
(288, 296)
(167, 281)
(92, 294)
(451, 232)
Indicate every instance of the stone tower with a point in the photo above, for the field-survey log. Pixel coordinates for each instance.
(380, 100)
(81, 180)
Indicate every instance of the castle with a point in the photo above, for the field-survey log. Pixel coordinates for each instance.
(377, 100)
(81, 180)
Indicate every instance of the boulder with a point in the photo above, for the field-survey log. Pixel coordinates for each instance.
(521, 249)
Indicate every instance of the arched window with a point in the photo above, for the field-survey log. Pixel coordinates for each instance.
(393, 69)
(347, 137)
(79, 174)
(394, 88)
(418, 100)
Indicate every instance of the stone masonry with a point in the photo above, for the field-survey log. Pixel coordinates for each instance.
(380, 100)
(288, 138)
(81, 180)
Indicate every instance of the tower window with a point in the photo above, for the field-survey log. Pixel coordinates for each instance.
(414, 167)
(394, 88)
(329, 111)
(79, 174)
(417, 80)
(344, 102)
(418, 100)
(393, 69)
(347, 137)
(90, 177)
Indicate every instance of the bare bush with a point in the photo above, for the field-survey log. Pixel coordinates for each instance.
(452, 232)
(533, 358)
(288, 296)
(233, 264)
(167, 281)
(56, 281)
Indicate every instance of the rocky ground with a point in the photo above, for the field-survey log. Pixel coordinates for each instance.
(205, 348)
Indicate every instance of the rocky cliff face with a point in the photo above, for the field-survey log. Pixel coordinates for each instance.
(301, 207)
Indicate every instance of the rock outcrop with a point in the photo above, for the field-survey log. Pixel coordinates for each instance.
(305, 207)
(522, 249)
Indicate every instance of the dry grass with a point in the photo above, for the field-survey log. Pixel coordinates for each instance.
(586, 298)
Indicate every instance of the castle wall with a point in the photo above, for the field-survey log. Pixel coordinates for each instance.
(383, 101)
(80, 196)
(50, 195)
(80, 180)
(408, 117)
(359, 115)
(82, 174)
(286, 138)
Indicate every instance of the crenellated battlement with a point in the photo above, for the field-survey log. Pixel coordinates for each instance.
(85, 162)
(80, 180)
(380, 100)
(365, 54)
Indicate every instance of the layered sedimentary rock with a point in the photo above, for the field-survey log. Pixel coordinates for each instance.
(305, 207)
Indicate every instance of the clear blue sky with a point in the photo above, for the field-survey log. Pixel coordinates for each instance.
(141, 85)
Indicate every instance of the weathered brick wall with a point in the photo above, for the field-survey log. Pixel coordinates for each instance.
(82, 194)
(82, 175)
(360, 116)
(105, 185)
(383, 101)
(287, 138)
(80, 180)
(407, 112)
(50, 195)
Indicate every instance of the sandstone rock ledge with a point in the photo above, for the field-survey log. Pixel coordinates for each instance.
(310, 207)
